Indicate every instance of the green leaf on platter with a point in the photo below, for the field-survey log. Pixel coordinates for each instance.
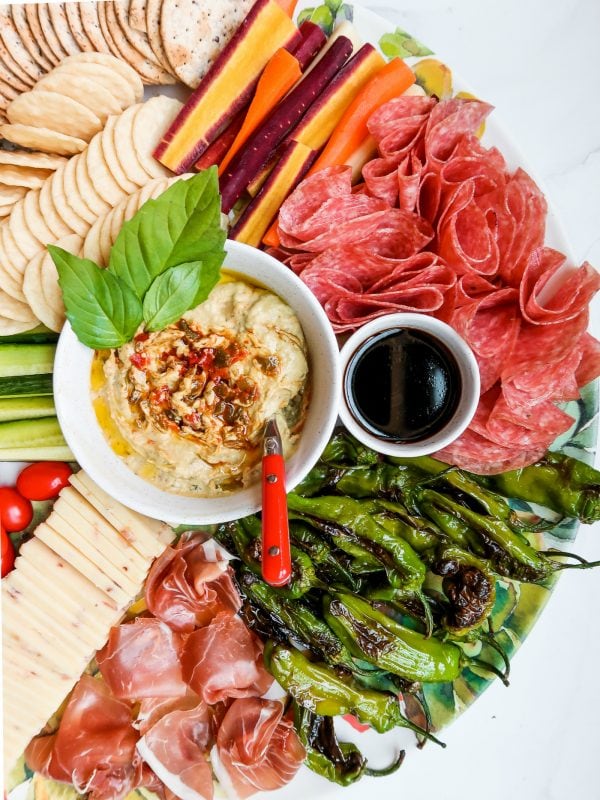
(333, 5)
(103, 310)
(402, 45)
(168, 298)
(181, 226)
(322, 15)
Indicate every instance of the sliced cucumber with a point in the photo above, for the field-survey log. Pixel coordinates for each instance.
(13, 408)
(37, 454)
(26, 359)
(39, 335)
(31, 433)
(17, 386)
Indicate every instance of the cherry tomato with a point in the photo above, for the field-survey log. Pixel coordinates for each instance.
(44, 480)
(8, 552)
(16, 511)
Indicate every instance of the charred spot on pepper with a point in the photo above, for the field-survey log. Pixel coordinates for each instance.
(468, 591)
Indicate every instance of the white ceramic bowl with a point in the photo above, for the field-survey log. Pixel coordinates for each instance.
(86, 439)
(469, 375)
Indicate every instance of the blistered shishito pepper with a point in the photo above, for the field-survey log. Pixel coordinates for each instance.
(375, 637)
(324, 692)
(563, 484)
(330, 566)
(241, 538)
(354, 516)
(297, 618)
(345, 449)
(339, 762)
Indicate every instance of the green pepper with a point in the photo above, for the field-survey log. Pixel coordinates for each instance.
(345, 449)
(563, 484)
(370, 634)
(339, 762)
(297, 618)
(330, 566)
(354, 516)
(322, 691)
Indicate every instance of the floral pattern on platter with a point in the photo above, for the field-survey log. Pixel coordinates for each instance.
(517, 605)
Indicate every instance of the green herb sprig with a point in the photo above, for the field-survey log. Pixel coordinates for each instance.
(165, 261)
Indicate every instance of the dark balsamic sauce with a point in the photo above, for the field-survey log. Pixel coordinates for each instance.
(403, 385)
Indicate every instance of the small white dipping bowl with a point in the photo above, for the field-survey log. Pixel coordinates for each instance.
(469, 376)
(84, 435)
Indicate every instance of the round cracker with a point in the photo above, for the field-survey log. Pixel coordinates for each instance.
(43, 139)
(91, 243)
(136, 38)
(109, 151)
(48, 31)
(63, 207)
(10, 327)
(56, 223)
(192, 47)
(83, 90)
(21, 158)
(88, 13)
(149, 71)
(106, 239)
(149, 125)
(12, 80)
(33, 288)
(97, 205)
(59, 21)
(10, 194)
(114, 63)
(10, 279)
(36, 29)
(27, 243)
(16, 48)
(28, 37)
(153, 10)
(97, 168)
(23, 176)
(5, 210)
(74, 19)
(117, 221)
(119, 88)
(15, 309)
(34, 219)
(7, 90)
(106, 33)
(123, 138)
(54, 111)
(12, 72)
(50, 288)
(137, 15)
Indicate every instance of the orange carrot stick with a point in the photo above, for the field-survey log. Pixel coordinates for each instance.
(289, 6)
(278, 77)
(396, 77)
(391, 81)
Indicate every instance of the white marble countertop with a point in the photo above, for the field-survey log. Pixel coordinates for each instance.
(538, 62)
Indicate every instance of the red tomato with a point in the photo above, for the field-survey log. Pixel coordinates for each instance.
(44, 480)
(16, 511)
(8, 552)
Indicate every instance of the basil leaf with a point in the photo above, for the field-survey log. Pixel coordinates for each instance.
(181, 226)
(102, 309)
(168, 298)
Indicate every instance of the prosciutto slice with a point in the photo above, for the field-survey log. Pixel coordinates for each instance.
(176, 748)
(185, 588)
(94, 747)
(141, 659)
(257, 748)
(224, 659)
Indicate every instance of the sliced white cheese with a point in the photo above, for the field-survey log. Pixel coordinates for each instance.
(28, 642)
(147, 536)
(95, 618)
(79, 536)
(73, 620)
(45, 560)
(110, 541)
(66, 550)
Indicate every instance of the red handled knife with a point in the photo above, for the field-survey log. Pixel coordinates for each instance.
(276, 557)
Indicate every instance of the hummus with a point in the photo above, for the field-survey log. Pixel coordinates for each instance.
(186, 407)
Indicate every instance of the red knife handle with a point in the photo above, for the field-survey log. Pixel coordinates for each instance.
(276, 557)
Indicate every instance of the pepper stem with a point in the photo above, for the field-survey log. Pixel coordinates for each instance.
(379, 773)
(582, 563)
(485, 665)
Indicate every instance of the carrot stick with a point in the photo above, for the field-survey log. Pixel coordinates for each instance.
(289, 6)
(392, 80)
(278, 77)
(389, 82)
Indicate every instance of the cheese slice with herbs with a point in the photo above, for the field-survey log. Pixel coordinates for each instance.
(72, 581)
